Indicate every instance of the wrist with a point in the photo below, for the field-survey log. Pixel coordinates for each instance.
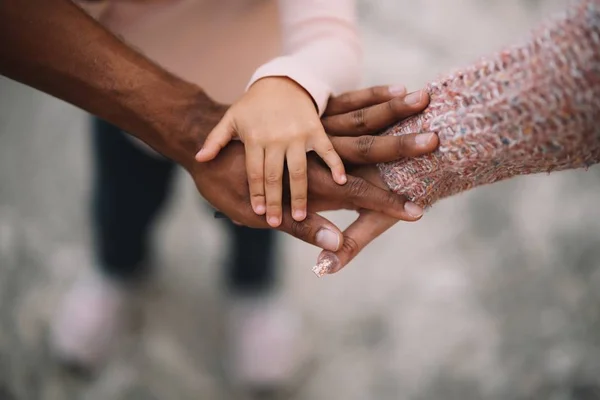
(177, 117)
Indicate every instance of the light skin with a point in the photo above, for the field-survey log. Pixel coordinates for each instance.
(278, 123)
(55, 47)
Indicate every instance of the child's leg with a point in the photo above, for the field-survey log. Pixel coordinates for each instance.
(130, 189)
(251, 268)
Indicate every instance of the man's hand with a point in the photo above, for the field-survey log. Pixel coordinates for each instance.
(55, 47)
(223, 181)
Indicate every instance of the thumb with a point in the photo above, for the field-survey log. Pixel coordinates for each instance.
(216, 140)
(368, 226)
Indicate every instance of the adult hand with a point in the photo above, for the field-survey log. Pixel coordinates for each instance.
(223, 181)
(370, 224)
(366, 228)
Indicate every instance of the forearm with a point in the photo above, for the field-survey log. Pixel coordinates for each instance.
(529, 109)
(55, 47)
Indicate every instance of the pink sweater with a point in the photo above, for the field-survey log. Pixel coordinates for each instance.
(226, 45)
(534, 107)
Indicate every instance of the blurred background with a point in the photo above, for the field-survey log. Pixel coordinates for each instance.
(493, 295)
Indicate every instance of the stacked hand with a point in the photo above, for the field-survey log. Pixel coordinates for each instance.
(350, 120)
(83, 64)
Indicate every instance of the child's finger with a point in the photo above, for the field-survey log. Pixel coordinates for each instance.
(274, 159)
(296, 162)
(325, 150)
(255, 168)
(216, 140)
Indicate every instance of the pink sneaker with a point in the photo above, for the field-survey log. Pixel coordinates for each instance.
(88, 321)
(266, 350)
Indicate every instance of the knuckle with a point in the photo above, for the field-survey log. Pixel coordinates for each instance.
(255, 177)
(391, 200)
(358, 117)
(294, 134)
(257, 196)
(312, 125)
(364, 145)
(273, 179)
(252, 135)
(299, 201)
(298, 174)
(273, 207)
(396, 105)
(401, 145)
(302, 229)
(350, 246)
(326, 147)
(357, 187)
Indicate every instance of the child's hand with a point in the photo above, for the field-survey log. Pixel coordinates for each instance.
(277, 120)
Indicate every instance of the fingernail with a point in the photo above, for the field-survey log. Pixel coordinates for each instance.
(412, 209)
(326, 264)
(260, 209)
(328, 240)
(299, 215)
(413, 98)
(199, 153)
(397, 90)
(423, 139)
(343, 179)
(273, 221)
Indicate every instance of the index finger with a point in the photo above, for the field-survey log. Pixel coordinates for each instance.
(362, 98)
(376, 149)
(370, 120)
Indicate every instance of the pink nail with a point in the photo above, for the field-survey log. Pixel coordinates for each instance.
(397, 90)
(328, 239)
(326, 264)
(412, 209)
(414, 98)
(299, 215)
(273, 221)
(423, 139)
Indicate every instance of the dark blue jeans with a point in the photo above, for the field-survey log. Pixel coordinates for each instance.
(130, 189)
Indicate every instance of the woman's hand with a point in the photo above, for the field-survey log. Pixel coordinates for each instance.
(364, 115)
(277, 121)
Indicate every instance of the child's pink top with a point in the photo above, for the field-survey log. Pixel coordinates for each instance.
(218, 44)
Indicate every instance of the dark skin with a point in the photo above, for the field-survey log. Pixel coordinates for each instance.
(55, 47)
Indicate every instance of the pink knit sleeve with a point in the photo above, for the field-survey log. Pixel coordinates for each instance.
(528, 109)
(321, 49)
